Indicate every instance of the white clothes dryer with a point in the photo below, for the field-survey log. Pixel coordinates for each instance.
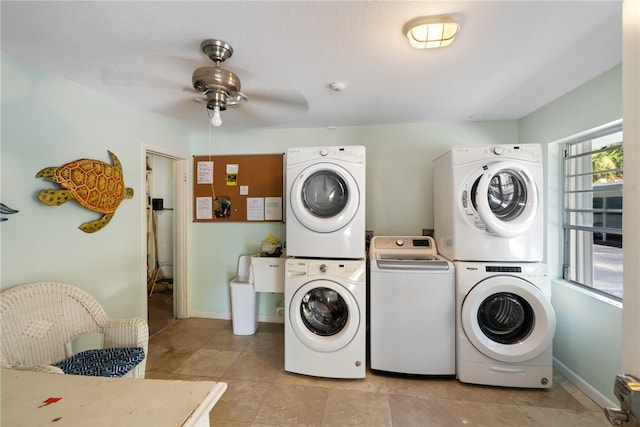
(505, 324)
(326, 202)
(488, 203)
(325, 318)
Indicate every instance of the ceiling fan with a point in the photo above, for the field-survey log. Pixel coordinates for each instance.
(221, 88)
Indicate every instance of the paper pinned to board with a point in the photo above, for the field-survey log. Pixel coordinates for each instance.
(273, 209)
(204, 208)
(255, 208)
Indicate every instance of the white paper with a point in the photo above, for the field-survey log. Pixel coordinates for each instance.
(205, 172)
(204, 208)
(273, 209)
(244, 190)
(232, 168)
(255, 209)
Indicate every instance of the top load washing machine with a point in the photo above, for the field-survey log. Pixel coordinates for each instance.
(488, 203)
(411, 307)
(326, 202)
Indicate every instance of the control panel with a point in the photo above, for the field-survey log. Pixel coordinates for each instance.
(423, 243)
(353, 270)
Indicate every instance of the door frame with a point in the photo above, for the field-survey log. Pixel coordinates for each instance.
(181, 239)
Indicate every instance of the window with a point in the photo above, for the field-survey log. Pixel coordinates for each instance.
(593, 179)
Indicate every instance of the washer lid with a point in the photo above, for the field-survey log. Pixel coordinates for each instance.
(406, 253)
(508, 319)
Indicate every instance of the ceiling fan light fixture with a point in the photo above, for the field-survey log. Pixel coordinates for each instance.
(431, 32)
(216, 120)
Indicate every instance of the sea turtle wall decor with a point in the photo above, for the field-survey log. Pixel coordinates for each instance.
(6, 210)
(94, 184)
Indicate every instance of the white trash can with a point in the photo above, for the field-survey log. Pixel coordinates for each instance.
(244, 300)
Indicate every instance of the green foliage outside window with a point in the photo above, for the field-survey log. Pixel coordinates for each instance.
(610, 162)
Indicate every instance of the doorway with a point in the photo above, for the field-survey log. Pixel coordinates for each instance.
(166, 238)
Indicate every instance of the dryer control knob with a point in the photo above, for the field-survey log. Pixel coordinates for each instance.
(399, 242)
(324, 152)
(323, 268)
(498, 150)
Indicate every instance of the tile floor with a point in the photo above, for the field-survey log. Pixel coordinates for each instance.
(261, 393)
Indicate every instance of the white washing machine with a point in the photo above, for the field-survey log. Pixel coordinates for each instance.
(411, 308)
(488, 203)
(326, 202)
(325, 318)
(505, 324)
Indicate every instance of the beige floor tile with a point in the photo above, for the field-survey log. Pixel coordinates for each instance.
(489, 414)
(372, 383)
(274, 328)
(163, 359)
(577, 394)
(356, 408)
(195, 322)
(266, 342)
(208, 363)
(287, 405)
(554, 397)
(481, 393)
(240, 402)
(421, 386)
(183, 338)
(224, 339)
(412, 411)
(553, 417)
(261, 393)
(256, 367)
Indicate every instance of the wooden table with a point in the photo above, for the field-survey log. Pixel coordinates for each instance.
(99, 401)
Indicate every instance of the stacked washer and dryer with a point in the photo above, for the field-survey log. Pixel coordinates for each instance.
(489, 222)
(325, 283)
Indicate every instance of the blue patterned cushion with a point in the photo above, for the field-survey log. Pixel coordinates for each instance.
(107, 362)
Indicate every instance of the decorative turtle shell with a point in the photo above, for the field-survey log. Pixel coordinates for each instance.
(94, 184)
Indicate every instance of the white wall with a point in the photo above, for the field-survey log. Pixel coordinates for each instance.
(399, 190)
(587, 343)
(49, 121)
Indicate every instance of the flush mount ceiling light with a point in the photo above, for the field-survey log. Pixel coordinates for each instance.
(431, 32)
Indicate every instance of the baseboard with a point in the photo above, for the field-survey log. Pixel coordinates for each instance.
(584, 386)
(270, 318)
(267, 318)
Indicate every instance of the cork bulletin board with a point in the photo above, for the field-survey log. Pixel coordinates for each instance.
(238, 188)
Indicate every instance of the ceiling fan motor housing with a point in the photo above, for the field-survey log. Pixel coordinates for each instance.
(216, 81)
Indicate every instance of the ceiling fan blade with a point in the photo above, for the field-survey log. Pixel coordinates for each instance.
(112, 76)
(293, 101)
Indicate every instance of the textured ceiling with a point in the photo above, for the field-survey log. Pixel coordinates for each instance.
(510, 58)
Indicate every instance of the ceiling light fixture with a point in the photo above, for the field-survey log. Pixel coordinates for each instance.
(216, 120)
(431, 32)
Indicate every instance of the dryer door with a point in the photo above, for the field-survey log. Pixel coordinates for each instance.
(324, 315)
(324, 197)
(506, 198)
(508, 319)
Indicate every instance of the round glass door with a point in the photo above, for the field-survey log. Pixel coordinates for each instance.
(506, 199)
(508, 319)
(324, 315)
(324, 197)
(325, 194)
(324, 312)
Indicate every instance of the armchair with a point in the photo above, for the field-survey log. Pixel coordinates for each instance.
(38, 320)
